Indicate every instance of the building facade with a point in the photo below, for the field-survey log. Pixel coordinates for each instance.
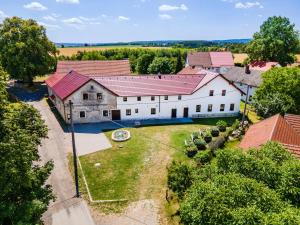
(97, 99)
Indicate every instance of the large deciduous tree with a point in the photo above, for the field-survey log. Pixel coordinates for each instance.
(161, 65)
(279, 92)
(25, 51)
(256, 187)
(276, 41)
(143, 63)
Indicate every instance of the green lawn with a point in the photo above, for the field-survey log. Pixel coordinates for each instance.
(136, 169)
(252, 116)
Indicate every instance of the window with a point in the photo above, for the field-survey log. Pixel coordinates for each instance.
(179, 97)
(139, 98)
(232, 107)
(211, 93)
(82, 114)
(128, 112)
(222, 107)
(105, 113)
(136, 110)
(152, 98)
(68, 116)
(166, 97)
(223, 92)
(99, 96)
(198, 108)
(85, 96)
(153, 111)
(241, 84)
(209, 107)
(92, 87)
(124, 99)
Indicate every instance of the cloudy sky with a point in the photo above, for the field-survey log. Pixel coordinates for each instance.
(132, 20)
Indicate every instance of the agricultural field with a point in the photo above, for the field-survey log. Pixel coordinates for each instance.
(69, 51)
(240, 57)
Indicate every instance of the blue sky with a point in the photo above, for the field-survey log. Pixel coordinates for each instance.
(132, 20)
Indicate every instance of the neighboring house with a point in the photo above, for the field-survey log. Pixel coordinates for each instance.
(263, 66)
(213, 61)
(190, 71)
(285, 130)
(242, 77)
(102, 98)
(89, 68)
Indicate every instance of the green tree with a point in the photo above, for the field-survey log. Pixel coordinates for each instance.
(179, 63)
(25, 50)
(179, 178)
(277, 41)
(161, 65)
(279, 92)
(3, 92)
(25, 195)
(143, 63)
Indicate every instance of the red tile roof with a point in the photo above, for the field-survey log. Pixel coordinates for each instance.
(69, 83)
(275, 128)
(262, 65)
(219, 59)
(90, 67)
(147, 85)
(189, 71)
(294, 121)
(210, 59)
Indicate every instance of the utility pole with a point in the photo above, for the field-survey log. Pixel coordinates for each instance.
(74, 151)
(245, 107)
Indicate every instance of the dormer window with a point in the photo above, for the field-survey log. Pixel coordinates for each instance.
(85, 96)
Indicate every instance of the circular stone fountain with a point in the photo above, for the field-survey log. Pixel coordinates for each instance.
(120, 135)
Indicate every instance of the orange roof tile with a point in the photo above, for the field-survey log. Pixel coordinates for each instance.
(275, 128)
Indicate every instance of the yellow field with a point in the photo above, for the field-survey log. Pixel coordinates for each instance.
(239, 58)
(73, 50)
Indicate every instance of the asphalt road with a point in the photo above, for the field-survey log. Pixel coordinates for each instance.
(66, 210)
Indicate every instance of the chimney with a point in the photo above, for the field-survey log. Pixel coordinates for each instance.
(247, 69)
(159, 76)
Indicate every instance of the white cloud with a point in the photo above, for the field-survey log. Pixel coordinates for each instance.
(68, 1)
(49, 18)
(172, 7)
(123, 18)
(49, 26)
(2, 15)
(35, 6)
(247, 5)
(165, 16)
(73, 21)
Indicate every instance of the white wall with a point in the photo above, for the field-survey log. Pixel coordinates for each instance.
(243, 87)
(201, 97)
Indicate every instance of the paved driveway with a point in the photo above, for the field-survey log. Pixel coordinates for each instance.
(89, 138)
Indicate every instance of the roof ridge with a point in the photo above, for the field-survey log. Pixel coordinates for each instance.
(275, 125)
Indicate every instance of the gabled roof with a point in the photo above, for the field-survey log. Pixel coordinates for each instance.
(238, 74)
(275, 128)
(219, 59)
(210, 59)
(90, 68)
(140, 85)
(262, 65)
(69, 84)
(199, 59)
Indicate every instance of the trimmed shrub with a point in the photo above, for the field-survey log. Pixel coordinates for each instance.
(214, 132)
(217, 143)
(179, 178)
(221, 124)
(207, 136)
(191, 151)
(236, 124)
(200, 144)
(195, 135)
(203, 157)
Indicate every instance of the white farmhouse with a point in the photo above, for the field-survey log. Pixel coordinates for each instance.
(244, 77)
(102, 98)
